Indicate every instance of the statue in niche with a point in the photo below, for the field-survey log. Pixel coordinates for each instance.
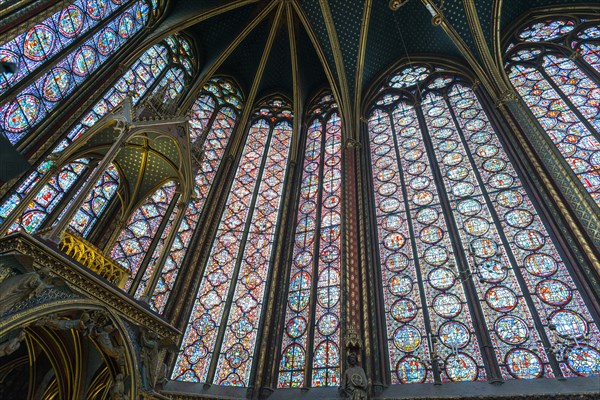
(12, 345)
(21, 287)
(354, 384)
(149, 354)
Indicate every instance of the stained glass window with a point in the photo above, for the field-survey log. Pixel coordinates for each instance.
(49, 197)
(313, 305)
(135, 239)
(214, 115)
(466, 262)
(96, 202)
(35, 101)
(555, 66)
(231, 294)
(143, 75)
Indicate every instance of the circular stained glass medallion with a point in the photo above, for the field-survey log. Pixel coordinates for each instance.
(501, 181)
(529, 239)
(396, 262)
(476, 226)
(454, 335)
(569, 324)
(492, 271)
(452, 159)
(487, 150)
(540, 264)
(427, 216)
(583, 360)
(389, 205)
(39, 43)
(463, 189)
(22, 112)
(553, 292)
(394, 241)
(523, 364)
(392, 222)
(387, 189)
(57, 84)
(84, 60)
(400, 285)
(107, 41)
(407, 338)
(411, 370)
(422, 198)
(461, 367)
(501, 298)
(441, 278)
(457, 173)
(327, 324)
(494, 165)
(484, 247)
(404, 310)
(519, 218)
(511, 329)
(431, 234)
(71, 21)
(510, 199)
(436, 256)
(96, 8)
(420, 183)
(296, 327)
(447, 305)
(469, 207)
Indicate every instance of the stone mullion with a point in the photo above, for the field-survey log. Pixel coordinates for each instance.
(50, 63)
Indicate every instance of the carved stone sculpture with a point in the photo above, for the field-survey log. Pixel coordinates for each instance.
(12, 345)
(149, 354)
(104, 341)
(21, 287)
(117, 390)
(354, 384)
(84, 324)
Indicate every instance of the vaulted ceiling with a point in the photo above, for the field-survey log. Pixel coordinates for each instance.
(345, 44)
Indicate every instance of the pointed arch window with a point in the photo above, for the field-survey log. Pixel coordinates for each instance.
(311, 338)
(554, 64)
(219, 341)
(142, 77)
(472, 280)
(29, 105)
(214, 117)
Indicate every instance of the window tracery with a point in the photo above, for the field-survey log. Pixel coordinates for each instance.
(466, 261)
(313, 306)
(223, 326)
(554, 66)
